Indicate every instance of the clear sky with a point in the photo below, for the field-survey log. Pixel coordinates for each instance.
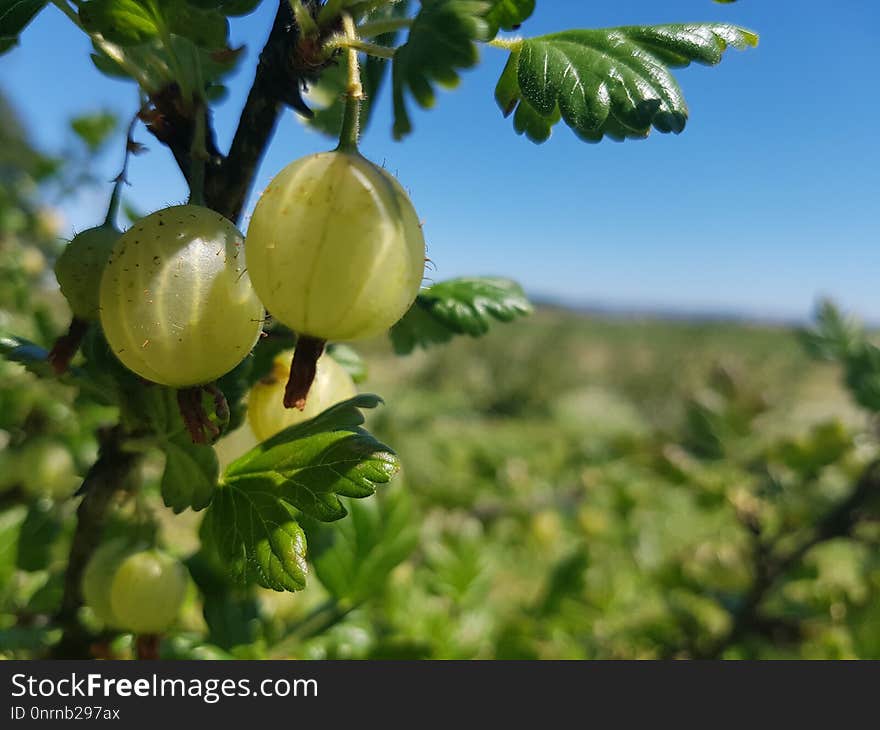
(766, 201)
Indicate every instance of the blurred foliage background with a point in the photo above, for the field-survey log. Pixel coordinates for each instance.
(574, 486)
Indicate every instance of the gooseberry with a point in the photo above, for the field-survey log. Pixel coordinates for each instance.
(147, 592)
(46, 468)
(266, 416)
(79, 268)
(98, 578)
(335, 248)
(335, 252)
(176, 303)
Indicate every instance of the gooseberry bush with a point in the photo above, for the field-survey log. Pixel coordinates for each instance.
(193, 331)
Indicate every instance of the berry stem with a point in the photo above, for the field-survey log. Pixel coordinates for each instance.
(66, 346)
(354, 92)
(198, 423)
(147, 646)
(302, 371)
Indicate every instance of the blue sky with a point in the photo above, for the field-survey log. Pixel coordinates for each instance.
(766, 201)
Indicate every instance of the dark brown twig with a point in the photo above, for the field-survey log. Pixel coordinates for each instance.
(105, 479)
(284, 67)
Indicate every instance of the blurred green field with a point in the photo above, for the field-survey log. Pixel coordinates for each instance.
(584, 486)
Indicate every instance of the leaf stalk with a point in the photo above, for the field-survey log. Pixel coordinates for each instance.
(354, 93)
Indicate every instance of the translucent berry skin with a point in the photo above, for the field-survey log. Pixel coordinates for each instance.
(266, 412)
(98, 578)
(47, 470)
(147, 592)
(79, 268)
(177, 306)
(335, 248)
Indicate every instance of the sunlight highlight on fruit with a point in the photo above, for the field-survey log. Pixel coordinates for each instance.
(335, 248)
(177, 306)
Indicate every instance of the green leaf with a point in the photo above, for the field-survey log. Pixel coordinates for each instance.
(508, 14)
(94, 129)
(862, 376)
(227, 7)
(465, 306)
(133, 22)
(825, 444)
(442, 40)
(155, 65)
(354, 558)
(611, 82)
(307, 467)
(190, 475)
(206, 29)
(14, 18)
(418, 328)
(121, 21)
(231, 612)
(842, 339)
(350, 359)
(312, 463)
(256, 534)
(833, 336)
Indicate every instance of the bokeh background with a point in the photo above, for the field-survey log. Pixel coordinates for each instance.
(649, 466)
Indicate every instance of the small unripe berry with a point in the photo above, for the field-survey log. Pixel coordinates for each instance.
(79, 268)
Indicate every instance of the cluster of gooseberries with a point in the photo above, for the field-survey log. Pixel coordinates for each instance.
(334, 251)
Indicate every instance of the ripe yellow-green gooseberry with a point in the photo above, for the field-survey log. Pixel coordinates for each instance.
(98, 577)
(176, 304)
(266, 415)
(147, 592)
(133, 589)
(336, 252)
(335, 249)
